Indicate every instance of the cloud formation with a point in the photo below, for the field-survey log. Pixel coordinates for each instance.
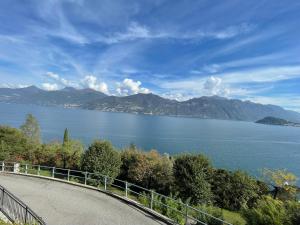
(91, 81)
(129, 87)
(50, 87)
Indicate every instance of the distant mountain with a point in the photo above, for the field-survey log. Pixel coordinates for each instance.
(214, 107)
(68, 97)
(277, 121)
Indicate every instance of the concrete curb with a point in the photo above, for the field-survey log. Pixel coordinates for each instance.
(138, 205)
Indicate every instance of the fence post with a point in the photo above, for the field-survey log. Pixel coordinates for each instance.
(68, 174)
(39, 169)
(105, 182)
(53, 172)
(3, 165)
(186, 213)
(85, 178)
(26, 213)
(26, 169)
(152, 199)
(126, 189)
(2, 199)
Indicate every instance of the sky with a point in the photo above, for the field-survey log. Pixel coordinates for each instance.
(182, 49)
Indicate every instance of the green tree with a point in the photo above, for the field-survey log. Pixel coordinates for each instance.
(70, 152)
(268, 211)
(66, 137)
(102, 158)
(14, 145)
(148, 169)
(235, 190)
(293, 212)
(192, 174)
(31, 129)
(47, 154)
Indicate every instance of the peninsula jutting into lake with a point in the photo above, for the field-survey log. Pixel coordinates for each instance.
(277, 121)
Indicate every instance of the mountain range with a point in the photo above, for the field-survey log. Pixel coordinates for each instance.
(213, 107)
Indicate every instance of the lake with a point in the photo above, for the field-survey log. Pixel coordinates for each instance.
(229, 144)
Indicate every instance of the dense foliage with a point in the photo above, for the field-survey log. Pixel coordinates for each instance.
(192, 174)
(14, 145)
(272, 211)
(102, 158)
(147, 169)
(235, 190)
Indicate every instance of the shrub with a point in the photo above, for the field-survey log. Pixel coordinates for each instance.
(148, 169)
(215, 212)
(102, 158)
(174, 209)
(235, 190)
(267, 211)
(293, 212)
(14, 145)
(192, 174)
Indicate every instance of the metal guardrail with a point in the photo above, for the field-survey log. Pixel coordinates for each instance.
(16, 211)
(149, 198)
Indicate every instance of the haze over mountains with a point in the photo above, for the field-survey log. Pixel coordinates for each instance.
(204, 107)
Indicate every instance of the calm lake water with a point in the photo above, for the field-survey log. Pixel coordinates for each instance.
(229, 144)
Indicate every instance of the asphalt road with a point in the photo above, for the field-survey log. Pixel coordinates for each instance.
(64, 204)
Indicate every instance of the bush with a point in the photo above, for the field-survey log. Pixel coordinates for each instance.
(192, 174)
(174, 209)
(216, 212)
(148, 169)
(293, 212)
(102, 158)
(235, 190)
(14, 145)
(268, 211)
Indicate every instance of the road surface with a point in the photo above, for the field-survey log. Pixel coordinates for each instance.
(64, 204)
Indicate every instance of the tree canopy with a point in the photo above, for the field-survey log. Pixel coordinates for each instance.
(102, 158)
(31, 129)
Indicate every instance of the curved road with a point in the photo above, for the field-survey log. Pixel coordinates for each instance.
(64, 204)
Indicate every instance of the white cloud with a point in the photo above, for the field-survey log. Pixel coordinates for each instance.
(214, 86)
(49, 87)
(137, 31)
(61, 80)
(258, 75)
(5, 85)
(92, 82)
(129, 87)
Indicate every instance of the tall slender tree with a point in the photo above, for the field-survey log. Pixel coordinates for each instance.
(31, 129)
(66, 137)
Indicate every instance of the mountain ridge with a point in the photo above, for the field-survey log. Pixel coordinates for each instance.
(206, 107)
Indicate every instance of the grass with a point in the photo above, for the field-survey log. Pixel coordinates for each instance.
(4, 223)
(233, 217)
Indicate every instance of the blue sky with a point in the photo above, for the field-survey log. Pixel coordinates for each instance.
(178, 49)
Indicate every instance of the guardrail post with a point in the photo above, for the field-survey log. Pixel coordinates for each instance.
(2, 199)
(26, 168)
(85, 178)
(186, 213)
(68, 174)
(105, 182)
(39, 169)
(3, 165)
(26, 213)
(53, 172)
(126, 189)
(152, 199)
